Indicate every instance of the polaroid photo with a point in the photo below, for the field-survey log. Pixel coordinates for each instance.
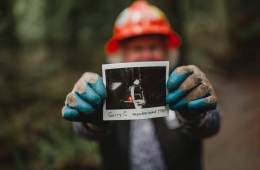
(135, 90)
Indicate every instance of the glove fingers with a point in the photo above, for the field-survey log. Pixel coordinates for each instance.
(90, 88)
(94, 81)
(199, 92)
(173, 97)
(206, 103)
(74, 101)
(177, 77)
(181, 104)
(88, 94)
(99, 87)
(70, 114)
(190, 83)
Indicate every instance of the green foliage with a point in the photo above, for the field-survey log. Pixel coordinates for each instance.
(46, 45)
(30, 20)
(33, 133)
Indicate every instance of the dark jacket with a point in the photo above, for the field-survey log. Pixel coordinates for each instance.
(181, 147)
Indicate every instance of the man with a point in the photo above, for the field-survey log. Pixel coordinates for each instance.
(137, 96)
(142, 33)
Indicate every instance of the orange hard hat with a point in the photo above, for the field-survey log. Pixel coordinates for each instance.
(141, 18)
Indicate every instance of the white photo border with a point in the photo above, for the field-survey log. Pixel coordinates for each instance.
(131, 114)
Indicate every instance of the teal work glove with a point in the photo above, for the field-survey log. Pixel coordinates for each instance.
(190, 92)
(84, 102)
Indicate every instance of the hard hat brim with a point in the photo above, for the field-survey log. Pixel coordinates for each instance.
(113, 45)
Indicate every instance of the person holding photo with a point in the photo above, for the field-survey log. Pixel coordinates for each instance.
(143, 33)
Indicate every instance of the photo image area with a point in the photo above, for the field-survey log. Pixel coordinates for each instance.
(135, 87)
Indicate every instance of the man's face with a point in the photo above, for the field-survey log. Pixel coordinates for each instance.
(145, 49)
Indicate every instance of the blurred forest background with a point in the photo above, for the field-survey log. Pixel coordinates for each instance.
(45, 45)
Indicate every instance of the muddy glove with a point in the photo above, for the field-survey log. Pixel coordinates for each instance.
(190, 93)
(84, 102)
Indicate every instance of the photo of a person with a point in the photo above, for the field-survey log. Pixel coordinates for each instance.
(137, 95)
(135, 87)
